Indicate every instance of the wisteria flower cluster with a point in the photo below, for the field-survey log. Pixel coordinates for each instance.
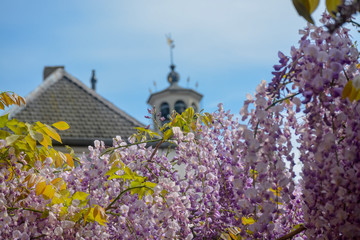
(328, 132)
(227, 180)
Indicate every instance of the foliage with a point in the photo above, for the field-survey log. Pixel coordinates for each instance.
(342, 11)
(226, 181)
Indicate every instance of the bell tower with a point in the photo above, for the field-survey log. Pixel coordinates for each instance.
(174, 97)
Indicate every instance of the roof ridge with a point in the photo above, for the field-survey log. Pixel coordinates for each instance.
(47, 82)
(59, 74)
(101, 99)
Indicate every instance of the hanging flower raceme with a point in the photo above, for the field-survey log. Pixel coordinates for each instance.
(321, 69)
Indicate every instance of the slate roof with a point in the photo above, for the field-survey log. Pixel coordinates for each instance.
(62, 97)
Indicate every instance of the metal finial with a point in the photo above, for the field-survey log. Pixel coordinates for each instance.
(172, 46)
(93, 80)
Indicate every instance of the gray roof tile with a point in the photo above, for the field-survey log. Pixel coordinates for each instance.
(62, 97)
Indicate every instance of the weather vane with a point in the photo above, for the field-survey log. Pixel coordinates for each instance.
(171, 45)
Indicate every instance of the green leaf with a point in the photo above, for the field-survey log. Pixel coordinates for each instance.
(31, 142)
(129, 172)
(247, 221)
(298, 225)
(80, 196)
(70, 151)
(188, 114)
(4, 134)
(77, 216)
(150, 184)
(168, 134)
(16, 126)
(3, 120)
(112, 171)
(23, 146)
(45, 213)
(11, 139)
(117, 176)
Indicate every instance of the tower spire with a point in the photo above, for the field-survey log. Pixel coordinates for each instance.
(173, 77)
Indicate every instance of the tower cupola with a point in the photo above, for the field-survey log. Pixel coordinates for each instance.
(174, 97)
(173, 77)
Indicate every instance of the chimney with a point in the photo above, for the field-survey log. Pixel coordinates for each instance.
(93, 80)
(49, 70)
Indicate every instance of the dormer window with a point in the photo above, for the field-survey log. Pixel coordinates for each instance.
(165, 110)
(180, 106)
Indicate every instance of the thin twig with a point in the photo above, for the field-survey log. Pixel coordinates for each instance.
(27, 209)
(281, 100)
(293, 233)
(122, 193)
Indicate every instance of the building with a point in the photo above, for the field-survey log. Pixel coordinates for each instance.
(174, 98)
(62, 97)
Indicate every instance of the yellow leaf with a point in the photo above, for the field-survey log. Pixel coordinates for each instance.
(19, 100)
(6, 99)
(353, 94)
(101, 217)
(303, 9)
(22, 100)
(232, 236)
(276, 191)
(52, 133)
(56, 200)
(58, 160)
(11, 97)
(357, 96)
(48, 192)
(46, 141)
(59, 183)
(32, 180)
(96, 211)
(27, 178)
(247, 221)
(87, 214)
(225, 236)
(61, 125)
(332, 5)
(30, 141)
(11, 139)
(56, 180)
(313, 4)
(41, 128)
(62, 156)
(347, 89)
(2, 107)
(168, 134)
(69, 160)
(11, 174)
(40, 187)
(80, 196)
(114, 156)
(63, 186)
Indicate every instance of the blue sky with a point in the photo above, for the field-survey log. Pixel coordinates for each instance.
(226, 46)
